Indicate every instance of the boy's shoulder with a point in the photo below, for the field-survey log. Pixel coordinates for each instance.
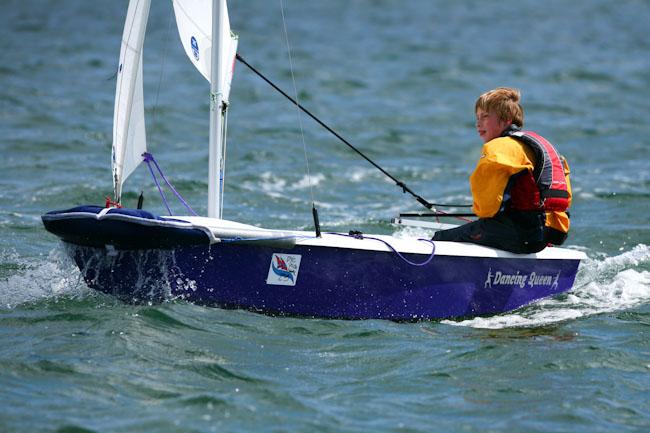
(507, 149)
(503, 143)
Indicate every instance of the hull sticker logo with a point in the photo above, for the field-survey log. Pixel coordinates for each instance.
(283, 270)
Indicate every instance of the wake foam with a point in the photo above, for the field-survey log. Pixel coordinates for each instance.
(602, 285)
(39, 278)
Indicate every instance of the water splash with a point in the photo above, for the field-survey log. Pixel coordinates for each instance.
(38, 279)
(602, 285)
(145, 276)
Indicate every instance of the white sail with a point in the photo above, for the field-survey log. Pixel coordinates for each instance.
(194, 22)
(129, 136)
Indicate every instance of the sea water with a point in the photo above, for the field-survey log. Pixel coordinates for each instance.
(398, 80)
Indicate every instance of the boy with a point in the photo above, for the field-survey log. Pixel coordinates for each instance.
(520, 186)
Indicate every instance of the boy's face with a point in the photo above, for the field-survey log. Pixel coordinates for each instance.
(489, 126)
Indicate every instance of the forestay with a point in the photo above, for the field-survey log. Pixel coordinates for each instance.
(194, 22)
(129, 136)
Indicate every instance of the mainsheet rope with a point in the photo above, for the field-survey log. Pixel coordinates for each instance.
(399, 183)
(148, 158)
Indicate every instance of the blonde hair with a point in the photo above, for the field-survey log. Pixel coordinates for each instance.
(504, 102)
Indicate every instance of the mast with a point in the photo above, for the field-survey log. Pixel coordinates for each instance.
(217, 112)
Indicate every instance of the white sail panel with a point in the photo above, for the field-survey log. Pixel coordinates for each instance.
(129, 136)
(194, 22)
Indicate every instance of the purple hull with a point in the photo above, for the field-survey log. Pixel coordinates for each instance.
(139, 258)
(331, 283)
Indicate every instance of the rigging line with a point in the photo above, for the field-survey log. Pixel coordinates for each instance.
(436, 214)
(295, 92)
(398, 182)
(451, 205)
(162, 69)
(148, 158)
(224, 143)
(439, 214)
(160, 191)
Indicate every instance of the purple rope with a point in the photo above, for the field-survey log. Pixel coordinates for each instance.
(162, 194)
(149, 158)
(433, 248)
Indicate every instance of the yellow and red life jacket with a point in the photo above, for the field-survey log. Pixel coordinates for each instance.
(506, 161)
(546, 188)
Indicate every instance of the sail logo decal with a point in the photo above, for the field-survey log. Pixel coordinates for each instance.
(531, 280)
(283, 270)
(195, 48)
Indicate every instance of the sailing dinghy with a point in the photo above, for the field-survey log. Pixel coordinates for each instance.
(141, 257)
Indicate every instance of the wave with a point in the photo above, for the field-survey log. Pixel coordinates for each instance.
(37, 279)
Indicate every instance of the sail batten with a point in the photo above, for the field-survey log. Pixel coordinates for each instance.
(129, 133)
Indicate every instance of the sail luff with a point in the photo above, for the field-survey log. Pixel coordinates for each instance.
(129, 134)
